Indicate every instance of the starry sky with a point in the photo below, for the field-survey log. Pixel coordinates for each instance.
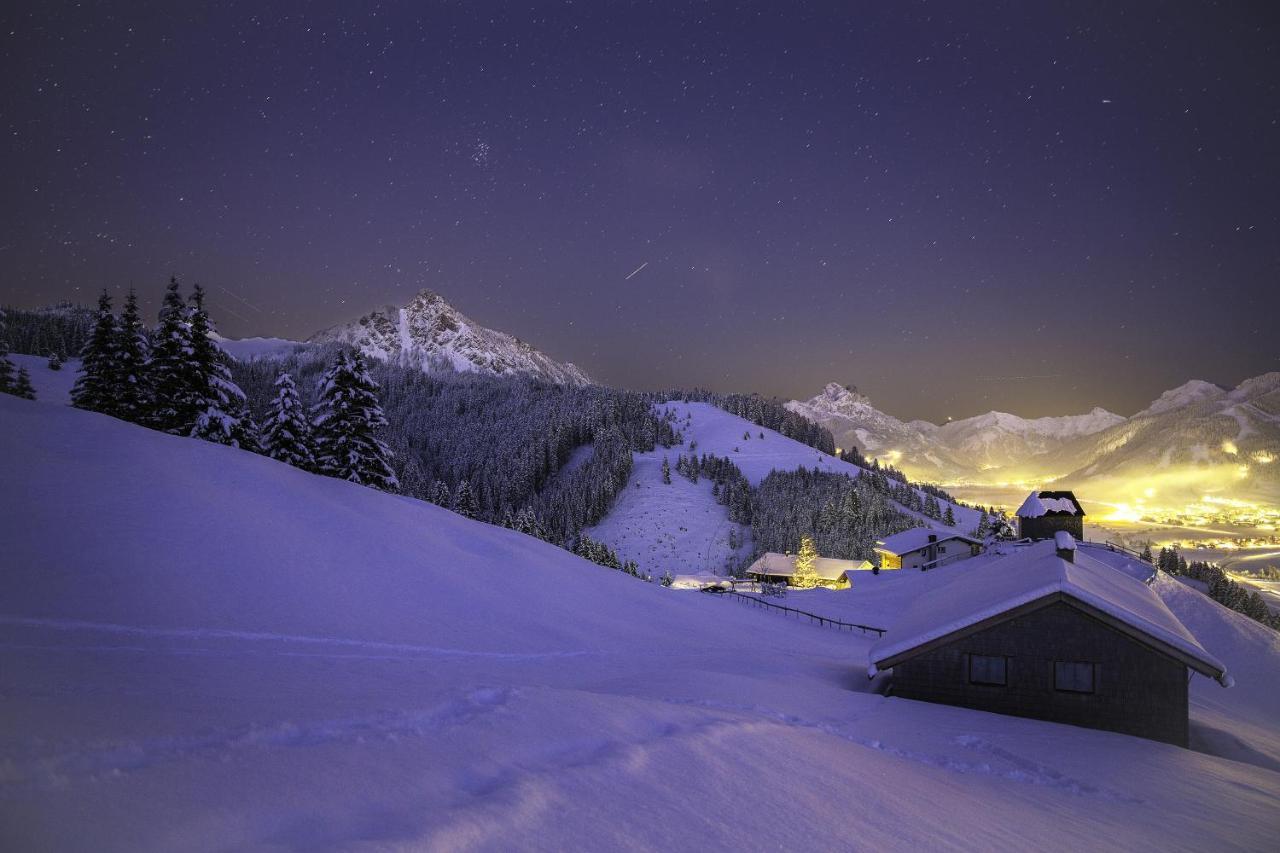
(1034, 207)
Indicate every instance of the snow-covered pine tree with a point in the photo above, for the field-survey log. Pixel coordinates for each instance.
(174, 381)
(55, 360)
(464, 500)
(949, 518)
(222, 413)
(95, 389)
(439, 494)
(287, 436)
(666, 471)
(7, 376)
(347, 420)
(133, 399)
(22, 386)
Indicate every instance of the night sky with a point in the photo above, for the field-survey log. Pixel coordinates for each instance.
(1029, 207)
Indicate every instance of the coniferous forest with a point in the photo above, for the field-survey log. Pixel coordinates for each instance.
(541, 458)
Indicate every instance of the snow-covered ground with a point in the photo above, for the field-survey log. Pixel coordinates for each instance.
(201, 649)
(52, 386)
(679, 527)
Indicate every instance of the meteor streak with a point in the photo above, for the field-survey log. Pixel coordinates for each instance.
(636, 270)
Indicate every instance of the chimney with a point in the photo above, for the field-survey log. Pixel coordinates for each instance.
(932, 538)
(1065, 544)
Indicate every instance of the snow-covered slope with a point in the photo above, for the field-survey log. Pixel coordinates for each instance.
(679, 527)
(201, 649)
(52, 386)
(432, 334)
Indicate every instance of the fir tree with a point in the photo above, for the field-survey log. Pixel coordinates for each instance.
(950, 518)
(464, 500)
(666, 471)
(439, 494)
(22, 386)
(55, 360)
(132, 351)
(347, 420)
(287, 436)
(222, 413)
(7, 377)
(175, 382)
(806, 575)
(94, 389)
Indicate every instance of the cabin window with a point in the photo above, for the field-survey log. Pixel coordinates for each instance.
(1073, 676)
(942, 549)
(988, 669)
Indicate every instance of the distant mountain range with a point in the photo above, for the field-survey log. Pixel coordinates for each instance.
(1192, 436)
(432, 334)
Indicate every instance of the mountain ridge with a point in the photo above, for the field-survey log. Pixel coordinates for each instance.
(430, 333)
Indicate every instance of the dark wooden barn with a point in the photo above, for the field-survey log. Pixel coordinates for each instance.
(1051, 633)
(1043, 514)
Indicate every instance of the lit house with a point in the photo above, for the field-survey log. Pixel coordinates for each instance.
(924, 548)
(781, 568)
(1052, 633)
(1043, 514)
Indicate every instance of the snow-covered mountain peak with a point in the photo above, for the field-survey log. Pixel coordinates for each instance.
(430, 333)
(1187, 394)
(836, 397)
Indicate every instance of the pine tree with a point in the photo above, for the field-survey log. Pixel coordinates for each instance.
(7, 377)
(666, 471)
(132, 351)
(174, 380)
(55, 360)
(347, 420)
(950, 518)
(287, 436)
(1145, 556)
(806, 575)
(222, 413)
(94, 389)
(464, 500)
(439, 494)
(22, 386)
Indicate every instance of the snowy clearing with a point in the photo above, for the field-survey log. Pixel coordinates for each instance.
(206, 650)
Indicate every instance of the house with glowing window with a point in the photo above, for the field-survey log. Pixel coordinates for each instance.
(1052, 633)
(924, 548)
(772, 567)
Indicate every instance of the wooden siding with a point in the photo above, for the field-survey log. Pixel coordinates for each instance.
(1044, 526)
(1138, 690)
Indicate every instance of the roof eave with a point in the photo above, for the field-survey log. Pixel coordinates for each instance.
(1131, 631)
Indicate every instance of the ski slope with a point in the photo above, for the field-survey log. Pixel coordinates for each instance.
(201, 649)
(679, 527)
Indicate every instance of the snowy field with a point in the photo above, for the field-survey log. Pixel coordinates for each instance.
(679, 527)
(201, 649)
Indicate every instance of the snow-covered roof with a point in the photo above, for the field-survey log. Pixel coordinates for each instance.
(1029, 575)
(1043, 503)
(784, 565)
(917, 538)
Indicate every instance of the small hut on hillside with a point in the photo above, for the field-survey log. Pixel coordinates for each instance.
(772, 567)
(1043, 514)
(1052, 633)
(924, 548)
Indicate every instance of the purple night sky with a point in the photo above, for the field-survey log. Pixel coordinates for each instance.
(943, 206)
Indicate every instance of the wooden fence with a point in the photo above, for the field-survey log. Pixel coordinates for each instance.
(825, 621)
